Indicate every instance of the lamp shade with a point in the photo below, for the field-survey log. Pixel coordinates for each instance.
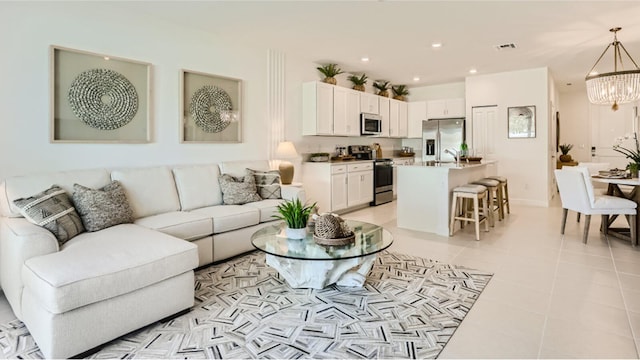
(286, 150)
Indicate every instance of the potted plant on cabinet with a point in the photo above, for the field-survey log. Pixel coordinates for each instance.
(399, 92)
(330, 71)
(383, 87)
(358, 82)
(565, 148)
(295, 214)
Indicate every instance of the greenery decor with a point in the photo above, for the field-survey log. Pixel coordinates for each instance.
(358, 82)
(383, 87)
(629, 153)
(294, 213)
(330, 71)
(565, 148)
(399, 91)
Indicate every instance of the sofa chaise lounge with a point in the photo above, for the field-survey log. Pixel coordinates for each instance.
(101, 285)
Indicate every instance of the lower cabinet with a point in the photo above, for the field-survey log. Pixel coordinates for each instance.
(339, 186)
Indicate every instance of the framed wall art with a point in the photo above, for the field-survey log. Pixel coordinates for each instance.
(521, 122)
(210, 108)
(98, 98)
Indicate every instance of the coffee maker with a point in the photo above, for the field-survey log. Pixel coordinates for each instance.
(360, 152)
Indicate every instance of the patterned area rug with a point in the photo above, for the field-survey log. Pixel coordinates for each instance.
(408, 308)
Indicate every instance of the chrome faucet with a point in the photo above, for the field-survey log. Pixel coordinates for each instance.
(455, 153)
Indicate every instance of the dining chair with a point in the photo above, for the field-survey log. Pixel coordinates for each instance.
(577, 194)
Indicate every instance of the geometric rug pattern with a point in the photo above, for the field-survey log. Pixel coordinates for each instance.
(409, 307)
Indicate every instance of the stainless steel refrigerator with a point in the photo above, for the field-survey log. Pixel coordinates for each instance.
(441, 134)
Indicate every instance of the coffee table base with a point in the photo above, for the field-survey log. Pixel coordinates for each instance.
(318, 274)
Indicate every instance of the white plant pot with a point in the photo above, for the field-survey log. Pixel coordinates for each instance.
(295, 233)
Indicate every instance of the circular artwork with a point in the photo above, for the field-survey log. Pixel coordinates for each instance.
(103, 99)
(206, 105)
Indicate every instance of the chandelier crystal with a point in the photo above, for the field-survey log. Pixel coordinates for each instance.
(617, 87)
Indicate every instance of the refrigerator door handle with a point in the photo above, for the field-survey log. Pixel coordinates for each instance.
(438, 145)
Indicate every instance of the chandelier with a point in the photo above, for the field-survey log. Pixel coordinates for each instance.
(617, 87)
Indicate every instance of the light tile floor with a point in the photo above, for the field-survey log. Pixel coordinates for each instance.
(551, 296)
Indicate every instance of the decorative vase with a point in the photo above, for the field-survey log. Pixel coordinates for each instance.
(565, 158)
(634, 171)
(384, 93)
(399, 97)
(295, 233)
(358, 87)
(330, 80)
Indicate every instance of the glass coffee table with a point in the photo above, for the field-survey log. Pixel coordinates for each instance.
(305, 264)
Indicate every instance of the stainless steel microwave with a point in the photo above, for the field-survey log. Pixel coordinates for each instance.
(370, 124)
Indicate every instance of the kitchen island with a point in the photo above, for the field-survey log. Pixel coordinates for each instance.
(425, 190)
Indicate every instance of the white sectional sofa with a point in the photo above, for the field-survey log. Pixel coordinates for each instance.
(101, 285)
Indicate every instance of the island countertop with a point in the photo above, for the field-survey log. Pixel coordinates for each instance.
(425, 191)
(452, 164)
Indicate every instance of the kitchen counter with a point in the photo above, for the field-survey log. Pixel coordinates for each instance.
(425, 189)
(338, 162)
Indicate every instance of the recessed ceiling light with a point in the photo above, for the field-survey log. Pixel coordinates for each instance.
(416, 78)
(436, 45)
(106, 58)
(364, 59)
(473, 71)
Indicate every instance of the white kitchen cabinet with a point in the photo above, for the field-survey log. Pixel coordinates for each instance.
(346, 112)
(398, 118)
(317, 108)
(338, 186)
(369, 103)
(360, 183)
(383, 103)
(417, 112)
(445, 108)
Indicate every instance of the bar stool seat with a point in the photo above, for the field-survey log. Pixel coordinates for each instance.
(469, 192)
(494, 192)
(504, 184)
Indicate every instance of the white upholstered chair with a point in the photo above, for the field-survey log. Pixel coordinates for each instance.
(577, 194)
(594, 168)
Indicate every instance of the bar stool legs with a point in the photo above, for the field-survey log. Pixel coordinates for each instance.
(469, 192)
(504, 186)
(495, 198)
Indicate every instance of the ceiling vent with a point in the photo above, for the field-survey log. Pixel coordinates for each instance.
(503, 47)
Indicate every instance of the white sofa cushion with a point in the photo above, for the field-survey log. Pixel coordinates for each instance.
(267, 208)
(24, 186)
(101, 265)
(198, 186)
(239, 168)
(230, 217)
(181, 224)
(150, 191)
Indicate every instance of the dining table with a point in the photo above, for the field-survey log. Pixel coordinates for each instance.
(614, 189)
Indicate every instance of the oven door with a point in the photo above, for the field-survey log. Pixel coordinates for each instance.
(383, 177)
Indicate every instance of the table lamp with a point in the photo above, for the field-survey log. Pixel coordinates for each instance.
(286, 150)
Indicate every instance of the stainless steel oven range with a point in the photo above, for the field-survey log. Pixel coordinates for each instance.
(382, 181)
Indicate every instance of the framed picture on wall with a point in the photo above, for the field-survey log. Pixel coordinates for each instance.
(210, 108)
(521, 122)
(97, 98)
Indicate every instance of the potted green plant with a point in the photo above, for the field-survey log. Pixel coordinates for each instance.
(565, 148)
(330, 71)
(383, 87)
(358, 82)
(633, 169)
(399, 92)
(296, 215)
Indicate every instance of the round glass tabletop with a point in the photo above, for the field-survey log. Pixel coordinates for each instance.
(370, 239)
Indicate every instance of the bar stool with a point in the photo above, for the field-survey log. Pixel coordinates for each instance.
(504, 185)
(495, 192)
(461, 195)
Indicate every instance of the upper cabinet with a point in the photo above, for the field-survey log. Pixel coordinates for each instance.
(369, 103)
(417, 113)
(398, 112)
(384, 114)
(317, 108)
(446, 108)
(346, 112)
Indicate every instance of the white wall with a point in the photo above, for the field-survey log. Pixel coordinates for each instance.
(575, 127)
(437, 92)
(523, 161)
(29, 29)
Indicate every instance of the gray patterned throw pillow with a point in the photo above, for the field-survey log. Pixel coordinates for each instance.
(53, 210)
(102, 208)
(238, 191)
(267, 183)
